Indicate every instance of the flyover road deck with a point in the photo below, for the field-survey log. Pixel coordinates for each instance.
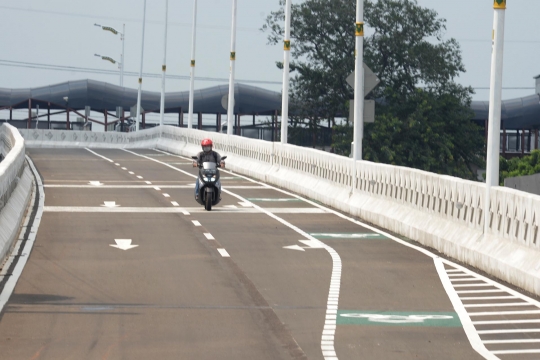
(236, 282)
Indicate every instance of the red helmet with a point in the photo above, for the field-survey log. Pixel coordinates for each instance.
(206, 142)
(206, 145)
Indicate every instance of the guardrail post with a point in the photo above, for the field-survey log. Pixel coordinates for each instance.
(48, 115)
(10, 113)
(29, 122)
(106, 122)
(181, 118)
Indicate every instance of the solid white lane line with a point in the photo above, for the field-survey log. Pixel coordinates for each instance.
(503, 322)
(512, 341)
(464, 317)
(139, 177)
(508, 352)
(497, 305)
(166, 195)
(488, 297)
(517, 312)
(209, 236)
(131, 172)
(17, 271)
(508, 331)
(95, 153)
(223, 252)
(174, 203)
(336, 260)
(196, 223)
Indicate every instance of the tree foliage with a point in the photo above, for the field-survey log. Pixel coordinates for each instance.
(527, 165)
(422, 115)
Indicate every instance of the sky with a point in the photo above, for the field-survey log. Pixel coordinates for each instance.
(62, 32)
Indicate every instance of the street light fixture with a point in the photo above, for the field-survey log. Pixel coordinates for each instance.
(123, 39)
(107, 58)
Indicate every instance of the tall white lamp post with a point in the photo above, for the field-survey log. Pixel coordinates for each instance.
(286, 60)
(122, 38)
(192, 78)
(164, 68)
(140, 72)
(358, 83)
(230, 108)
(495, 96)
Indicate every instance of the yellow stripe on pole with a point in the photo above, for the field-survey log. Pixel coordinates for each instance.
(140, 80)
(499, 4)
(164, 68)
(233, 55)
(359, 29)
(192, 63)
(287, 45)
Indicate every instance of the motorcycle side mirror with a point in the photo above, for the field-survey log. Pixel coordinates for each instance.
(194, 157)
(223, 157)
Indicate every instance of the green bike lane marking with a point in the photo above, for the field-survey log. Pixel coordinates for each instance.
(398, 318)
(348, 236)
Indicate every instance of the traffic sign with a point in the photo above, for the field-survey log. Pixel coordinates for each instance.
(370, 80)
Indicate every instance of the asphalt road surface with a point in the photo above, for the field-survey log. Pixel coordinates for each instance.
(126, 265)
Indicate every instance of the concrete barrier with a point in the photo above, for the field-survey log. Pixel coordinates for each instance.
(16, 183)
(442, 212)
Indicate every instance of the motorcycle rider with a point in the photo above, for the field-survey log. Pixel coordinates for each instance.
(207, 155)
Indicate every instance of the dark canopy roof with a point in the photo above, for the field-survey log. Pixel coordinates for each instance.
(102, 96)
(520, 113)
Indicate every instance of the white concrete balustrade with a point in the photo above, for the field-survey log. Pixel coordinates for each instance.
(440, 211)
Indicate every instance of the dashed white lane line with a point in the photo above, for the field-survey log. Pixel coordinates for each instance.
(124, 168)
(131, 172)
(209, 236)
(167, 195)
(185, 212)
(196, 223)
(157, 188)
(117, 164)
(174, 203)
(223, 252)
(139, 177)
(148, 182)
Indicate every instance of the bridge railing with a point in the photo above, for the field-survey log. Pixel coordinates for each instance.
(12, 149)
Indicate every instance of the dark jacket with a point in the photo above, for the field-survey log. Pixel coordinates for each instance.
(211, 156)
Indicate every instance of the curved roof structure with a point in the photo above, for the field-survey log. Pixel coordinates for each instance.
(520, 113)
(101, 96)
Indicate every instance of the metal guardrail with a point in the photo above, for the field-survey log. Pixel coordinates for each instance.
(12, 148)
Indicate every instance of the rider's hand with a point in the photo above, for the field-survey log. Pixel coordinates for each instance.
(222, 164)
(194, 164)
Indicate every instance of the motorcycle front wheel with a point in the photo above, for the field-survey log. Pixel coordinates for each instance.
(208, 204)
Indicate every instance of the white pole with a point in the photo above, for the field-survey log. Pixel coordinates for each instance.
(494, 123)
(359, 82)
(123, 38)
(230, 108)
(140, 72)
(192, 78)
(286, 59)
(164, 68)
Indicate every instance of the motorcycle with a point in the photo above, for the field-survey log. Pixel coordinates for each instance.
(209, 190)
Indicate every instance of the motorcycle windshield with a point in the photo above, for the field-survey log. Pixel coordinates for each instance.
(209, 168)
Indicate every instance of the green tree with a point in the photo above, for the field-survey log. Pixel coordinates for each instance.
(423, 116)
(527, 165)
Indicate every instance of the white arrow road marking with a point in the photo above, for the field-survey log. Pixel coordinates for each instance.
(110, 204)
(294, 247)
(123, 244)
(95, 183)
(314, 244)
